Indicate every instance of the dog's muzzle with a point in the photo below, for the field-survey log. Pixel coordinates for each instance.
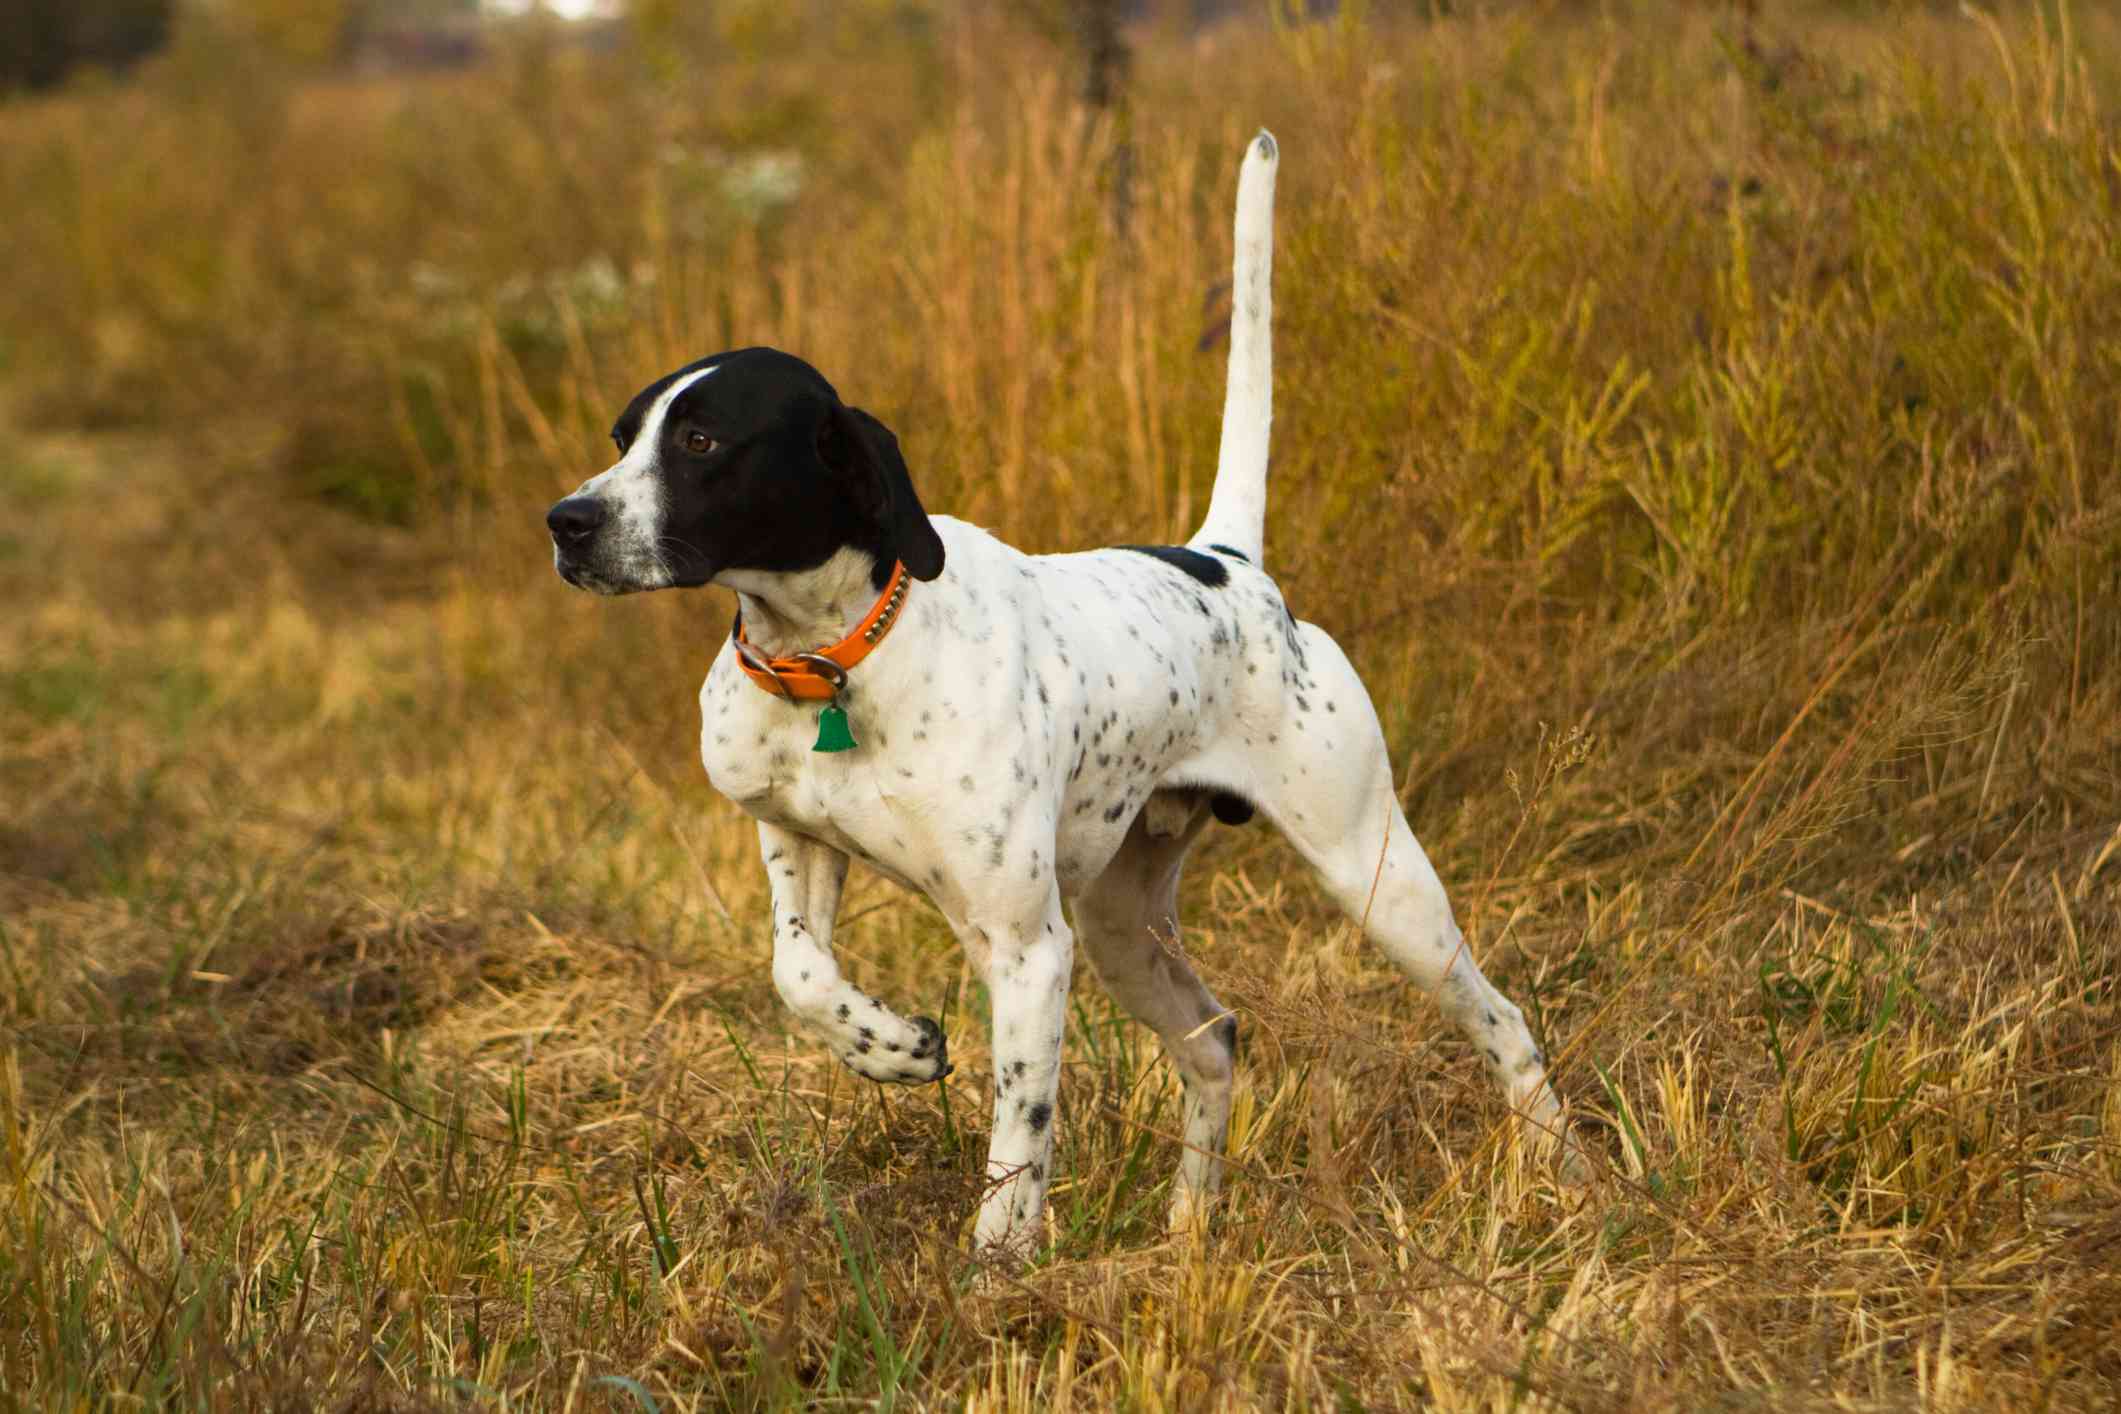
(575, 521)
(574, 524)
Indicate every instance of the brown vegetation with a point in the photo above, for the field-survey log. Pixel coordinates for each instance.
(1703, 437)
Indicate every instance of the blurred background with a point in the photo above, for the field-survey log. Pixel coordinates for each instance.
(1699, 422)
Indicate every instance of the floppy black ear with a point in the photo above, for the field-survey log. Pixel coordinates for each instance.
(863, 451)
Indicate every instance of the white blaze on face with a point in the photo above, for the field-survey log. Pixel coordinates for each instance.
(632, 489)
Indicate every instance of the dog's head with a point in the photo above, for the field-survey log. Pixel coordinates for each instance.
(743, 461)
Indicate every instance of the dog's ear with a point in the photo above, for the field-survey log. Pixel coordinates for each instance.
(862, 452)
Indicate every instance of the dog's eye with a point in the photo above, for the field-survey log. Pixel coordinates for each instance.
(699, 443)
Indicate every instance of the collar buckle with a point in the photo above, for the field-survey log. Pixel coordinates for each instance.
(760, 667)
(824, 667)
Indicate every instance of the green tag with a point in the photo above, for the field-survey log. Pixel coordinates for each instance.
(832, 733)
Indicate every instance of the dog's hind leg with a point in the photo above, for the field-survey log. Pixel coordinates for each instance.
(1128, 923)
(805, 878)
(1326, 782)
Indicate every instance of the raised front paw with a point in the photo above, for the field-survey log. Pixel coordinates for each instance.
(932, 1047)
(915, 1060)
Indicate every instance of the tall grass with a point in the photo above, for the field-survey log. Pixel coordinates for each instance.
(1701, 432)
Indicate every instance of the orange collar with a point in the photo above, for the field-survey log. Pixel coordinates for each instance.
(818, 676)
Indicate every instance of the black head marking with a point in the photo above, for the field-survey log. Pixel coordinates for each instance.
(759, 465)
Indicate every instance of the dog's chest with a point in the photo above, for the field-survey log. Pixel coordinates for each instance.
(759, 751)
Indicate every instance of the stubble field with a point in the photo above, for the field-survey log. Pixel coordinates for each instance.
(1702, 434)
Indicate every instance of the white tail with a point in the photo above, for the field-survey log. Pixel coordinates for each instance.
(1237, 507)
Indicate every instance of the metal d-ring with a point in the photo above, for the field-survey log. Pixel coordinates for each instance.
(760, 663)
(825, 668)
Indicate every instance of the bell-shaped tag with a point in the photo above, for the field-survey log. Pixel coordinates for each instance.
(832, 733)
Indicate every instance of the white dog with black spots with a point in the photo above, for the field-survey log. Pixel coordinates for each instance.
(1025, 734)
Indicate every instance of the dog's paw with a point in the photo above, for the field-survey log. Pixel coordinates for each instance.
(1187, 1220)
(924, 1057)
(1572, 1163)
(932, 1047)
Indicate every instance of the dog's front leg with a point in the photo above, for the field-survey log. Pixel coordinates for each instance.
(1028, 979)
(873, 1040)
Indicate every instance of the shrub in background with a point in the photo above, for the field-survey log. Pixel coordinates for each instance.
(44, 41)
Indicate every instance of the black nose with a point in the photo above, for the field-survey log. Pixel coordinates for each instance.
(575, 519)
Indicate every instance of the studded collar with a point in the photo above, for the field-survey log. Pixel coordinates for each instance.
(818, 676)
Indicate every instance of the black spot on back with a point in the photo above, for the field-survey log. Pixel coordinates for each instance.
(1205, 568)
(1233, 554)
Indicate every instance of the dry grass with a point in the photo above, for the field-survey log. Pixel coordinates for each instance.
(1704, 439)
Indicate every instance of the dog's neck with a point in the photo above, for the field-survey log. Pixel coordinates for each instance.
(807, 609)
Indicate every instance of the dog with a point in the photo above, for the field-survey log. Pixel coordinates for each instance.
(1009, 733)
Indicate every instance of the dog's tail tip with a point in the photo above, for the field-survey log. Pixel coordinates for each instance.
(1237, 504)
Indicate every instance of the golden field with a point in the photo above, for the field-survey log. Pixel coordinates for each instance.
(1702, 431)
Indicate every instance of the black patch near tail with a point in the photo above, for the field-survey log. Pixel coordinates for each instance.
(1204, 568)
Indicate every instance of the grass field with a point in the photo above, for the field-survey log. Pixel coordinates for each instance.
(1702, 432)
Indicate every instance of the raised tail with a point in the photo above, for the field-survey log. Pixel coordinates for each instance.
(1237, 507)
